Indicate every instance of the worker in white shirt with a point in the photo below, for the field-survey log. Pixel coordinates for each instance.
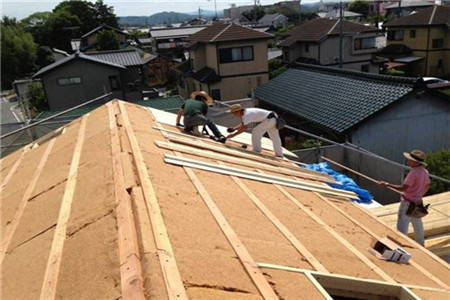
(267, 123)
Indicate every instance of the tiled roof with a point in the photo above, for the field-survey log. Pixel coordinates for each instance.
(270, 17)
(434, 15)
(206, 75)
(316, 29)
(220, 32)
(184, 67)
(332, 98)
(274, 53)
(73, 57)
(396, 49)
(121, 57)
(176, 32)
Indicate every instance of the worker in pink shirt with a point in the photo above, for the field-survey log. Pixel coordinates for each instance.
(415, 185)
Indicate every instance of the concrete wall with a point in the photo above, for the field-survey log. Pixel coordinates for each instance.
(412, 123)
(94, 78)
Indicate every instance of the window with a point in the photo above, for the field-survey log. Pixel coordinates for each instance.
(395, 35)
(412, 33)
(228, 55)
(365, 43)
(69, 81)
(215, 94)
(114, 82)
(306, 47)
(437, 43)
(365, 68)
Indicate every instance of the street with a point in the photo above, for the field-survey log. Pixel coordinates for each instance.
(10, 118)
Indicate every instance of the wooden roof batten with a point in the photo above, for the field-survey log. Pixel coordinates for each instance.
(142, 216)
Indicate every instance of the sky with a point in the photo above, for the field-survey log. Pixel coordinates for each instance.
(20, 9)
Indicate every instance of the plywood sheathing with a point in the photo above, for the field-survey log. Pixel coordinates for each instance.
(208, 264)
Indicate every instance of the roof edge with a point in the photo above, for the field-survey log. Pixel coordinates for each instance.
(394, 79)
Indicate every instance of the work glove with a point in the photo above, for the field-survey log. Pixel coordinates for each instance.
(180, 125)
(230, 130)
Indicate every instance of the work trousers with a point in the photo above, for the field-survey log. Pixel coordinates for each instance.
(268, 125)
(196, 120)
(404, 220)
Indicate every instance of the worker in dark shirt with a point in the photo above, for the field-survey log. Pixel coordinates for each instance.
(194, 112)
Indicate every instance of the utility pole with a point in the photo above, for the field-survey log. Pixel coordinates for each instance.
(340, 35)
(215, 7)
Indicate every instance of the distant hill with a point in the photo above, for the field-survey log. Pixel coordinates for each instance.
(158, 18)
(166, 18)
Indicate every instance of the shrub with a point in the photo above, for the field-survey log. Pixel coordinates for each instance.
(438, 163)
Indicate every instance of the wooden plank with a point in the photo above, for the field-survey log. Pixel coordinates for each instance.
(338, 237)
(257, 176)
(249, 155)
(246, 259)
(285, 231)
(11, 228)
(174, 283)
(130, 259)
(128, 170)
(318, 286)
(374, 235)
(13, 169)
(239, 161)
(349, 278)
(48, 290)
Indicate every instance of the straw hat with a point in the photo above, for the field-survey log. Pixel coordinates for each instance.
(416, 155)
(235, 108)
(205, 96)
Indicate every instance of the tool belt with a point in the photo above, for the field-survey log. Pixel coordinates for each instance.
(280, 123)
(417, 209)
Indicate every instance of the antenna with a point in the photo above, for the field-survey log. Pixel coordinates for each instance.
(215, 7)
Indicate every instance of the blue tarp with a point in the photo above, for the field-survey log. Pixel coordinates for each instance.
(347, 183)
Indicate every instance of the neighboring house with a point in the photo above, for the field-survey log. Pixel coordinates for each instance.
(400, 57)
(317, 42)
(427, 33)
(157, 69)
(275, 20)
(89, 40)
(226, 60)
(406, 7)
(82, 77)
(274, 53)
(170, 42)
(382, 114)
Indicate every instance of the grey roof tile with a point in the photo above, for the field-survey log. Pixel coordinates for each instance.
(121, 57)
(332, 98)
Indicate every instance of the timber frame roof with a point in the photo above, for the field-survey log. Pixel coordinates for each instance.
(119, 204)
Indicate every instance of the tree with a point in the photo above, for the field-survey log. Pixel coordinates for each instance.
(438, 163)
(36, 96)
(104, 14)
(44, 56)
(18, 53)
(259, 11)
(63, 28)
(360, 7)
(37, 24)
(82, 10)
(276, 67)
(107, 40)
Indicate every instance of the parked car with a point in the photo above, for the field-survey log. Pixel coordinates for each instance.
(433, 82)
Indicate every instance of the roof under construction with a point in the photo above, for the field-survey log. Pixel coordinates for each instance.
(119, 204)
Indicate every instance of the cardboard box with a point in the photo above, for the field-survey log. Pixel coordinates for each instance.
(386, 249)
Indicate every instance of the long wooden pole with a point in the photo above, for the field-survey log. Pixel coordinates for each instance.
(357, 173)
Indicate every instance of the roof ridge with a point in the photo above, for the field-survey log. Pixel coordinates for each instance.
(432, 15)
(359, 75)
(333, 27)
(217, 35)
